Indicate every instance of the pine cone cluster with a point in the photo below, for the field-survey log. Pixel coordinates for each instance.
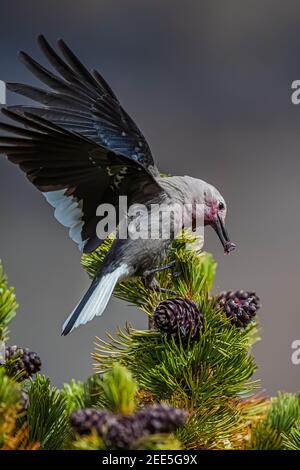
(26, 361)
(178, 316)
(240, 306)
(122, 432)
(162, 418)
(86, 420)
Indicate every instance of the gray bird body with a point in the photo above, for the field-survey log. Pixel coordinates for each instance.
(82, 150)
(140, 257)
(129, 258)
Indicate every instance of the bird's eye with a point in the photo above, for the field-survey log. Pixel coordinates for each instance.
(221, 206)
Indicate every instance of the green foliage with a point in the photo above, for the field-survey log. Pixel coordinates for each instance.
(92, 391)
(197, 270)
(218, 363)
(83, 394)
(159, 442)
(8, 305)
(74, 395)
(89, 442)
(291, 441)
(206, 376)
(10, 406)
(210, 426)
(118, 396)
(47, 415)
(10, 392)
(12, 370)
(119, 390)
(280, 426)
(210, 377)
(92, 261)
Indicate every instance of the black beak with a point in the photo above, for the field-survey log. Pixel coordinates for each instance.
(221, 231)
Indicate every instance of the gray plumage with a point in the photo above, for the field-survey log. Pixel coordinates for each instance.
(81, 149)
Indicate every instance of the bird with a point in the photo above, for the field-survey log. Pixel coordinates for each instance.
(81, 149)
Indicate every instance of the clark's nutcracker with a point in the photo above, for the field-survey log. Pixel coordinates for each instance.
(81, 149)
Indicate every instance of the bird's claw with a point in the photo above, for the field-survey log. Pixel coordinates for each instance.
(176, 274)
(152, 283)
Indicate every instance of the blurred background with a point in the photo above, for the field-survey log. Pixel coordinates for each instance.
(209, 84)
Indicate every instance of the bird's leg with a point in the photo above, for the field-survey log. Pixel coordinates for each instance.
(170, 265)
(152, 283)
(162, 268)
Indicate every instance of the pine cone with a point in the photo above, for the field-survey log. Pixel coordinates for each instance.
(85, 420)
(178, 315)
(124, 431)
(161, 418)
(240, 306)
(27, 361)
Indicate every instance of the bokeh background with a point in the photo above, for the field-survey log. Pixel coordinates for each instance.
(209, 83)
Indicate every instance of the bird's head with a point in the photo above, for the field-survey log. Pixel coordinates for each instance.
(214, 209)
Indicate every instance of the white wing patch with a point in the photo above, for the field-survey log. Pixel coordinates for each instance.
(68, 211)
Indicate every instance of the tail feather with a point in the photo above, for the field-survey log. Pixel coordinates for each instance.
(95, 300)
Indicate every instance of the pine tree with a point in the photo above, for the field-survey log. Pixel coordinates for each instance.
(185, 383)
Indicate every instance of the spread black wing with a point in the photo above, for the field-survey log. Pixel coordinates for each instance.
(82, 101)
(75, 173)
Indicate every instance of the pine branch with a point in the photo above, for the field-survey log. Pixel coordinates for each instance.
(218, 361)
(118, 391)
(92, 391)
(47, 415)
(83, 394)
(74, 395)
(283, 418)
(209, 375)
(291, 441)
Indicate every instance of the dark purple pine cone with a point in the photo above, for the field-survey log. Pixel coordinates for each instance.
(122, 432)
(178, 315)
(161, 418)
(240, 306)
(125, 431)
(27, 361)
(86, 420)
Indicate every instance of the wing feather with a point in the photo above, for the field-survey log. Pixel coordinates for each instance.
(74, 172)
(81, 100)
